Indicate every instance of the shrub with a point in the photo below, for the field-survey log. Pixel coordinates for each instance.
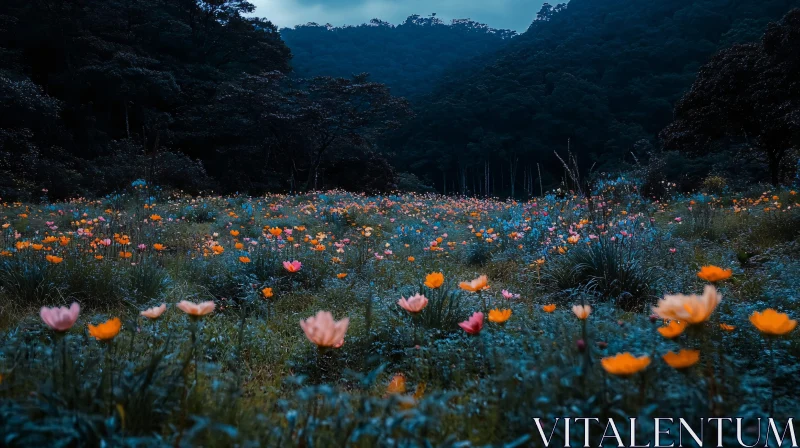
(609, 270)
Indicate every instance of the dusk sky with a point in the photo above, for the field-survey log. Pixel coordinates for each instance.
(512, 14)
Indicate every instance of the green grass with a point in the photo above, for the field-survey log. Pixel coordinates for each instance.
(253, 379)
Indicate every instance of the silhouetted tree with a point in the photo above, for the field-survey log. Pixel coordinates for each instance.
(747, 95)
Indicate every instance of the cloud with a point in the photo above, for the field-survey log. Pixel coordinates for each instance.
(513, 14)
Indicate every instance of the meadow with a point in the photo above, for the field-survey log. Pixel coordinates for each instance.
(426, 320)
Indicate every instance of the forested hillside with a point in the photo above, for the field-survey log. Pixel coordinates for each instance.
(200, 95)
(95, 94)
(599, 78)
(409, 58)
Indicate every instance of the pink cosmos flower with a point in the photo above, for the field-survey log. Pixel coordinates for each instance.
(323, 331)
(413, 304)
(509, 295)
(196, 309)
(60, 319)
(155, 312)
(292, 266)
(474, 325)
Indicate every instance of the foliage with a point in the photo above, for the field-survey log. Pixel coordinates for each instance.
(194, 96)
(246, 375)
(747, 95)
(409, 58)
(595, 78)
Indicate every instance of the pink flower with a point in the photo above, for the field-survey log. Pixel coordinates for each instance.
(155, 312)
(672, 250)
(196, 309)
(474, 325)
(292, 266)
(509, 295)
(60, 319)
(323, 331)
(413, 304)
(678, 219)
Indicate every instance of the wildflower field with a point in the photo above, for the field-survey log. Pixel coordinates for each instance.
(338, 319)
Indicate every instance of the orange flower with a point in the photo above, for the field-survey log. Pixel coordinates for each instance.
(341, 275)
(499, 316)
(714, 273)
(727, 327)
(683, 359)
(124, 254)
(106, 331)
(244, 259)
(434, 280)
(582, 311)
(673, 330)
(549, 308)
(63, 241)
(239, 246)
(196, 309)
(692, 309)
(267, 293)
(475, 285)
(37, 246)
(397, 385)
(53, 259)
(218, 250)
(624, 364)
(411, 259)
(275, 231)
(234, 232)
(155, 218)
(159, 247)
(98, 257)
(772, 322)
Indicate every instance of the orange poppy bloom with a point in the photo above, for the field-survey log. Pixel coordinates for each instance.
(239, 246)
(267, 293)
(106, 331)
(397, 385)
(683, 359)
(549, 308)
(478, 284)
(244, 259)
(772, 322)
(411, 259)
(275, 231)
(217, 249)
(624, 364)
(53, 259)
(234, 232)
(434, 280)
(124, 254)
(159, 247)
(714, 273)
(727, 327)
(155, 218)
(673, 329)
(499, 316)
(341, 275)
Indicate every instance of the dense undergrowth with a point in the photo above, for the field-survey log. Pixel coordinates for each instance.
(246, 375)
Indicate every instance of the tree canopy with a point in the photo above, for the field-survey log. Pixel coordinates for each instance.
(597, 78)
(409, 57)
(747, 96)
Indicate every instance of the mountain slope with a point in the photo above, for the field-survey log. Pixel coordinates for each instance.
(597, 77)
(409, 57)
